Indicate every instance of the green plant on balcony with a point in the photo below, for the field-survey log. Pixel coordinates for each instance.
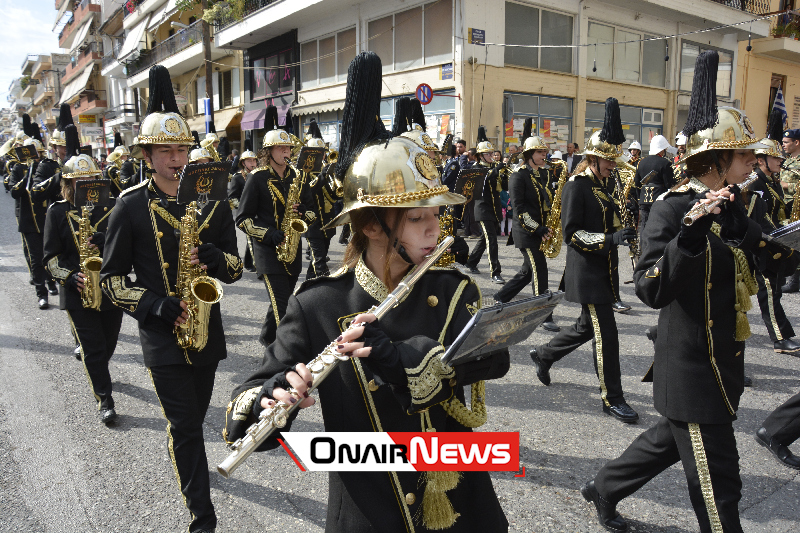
(24, 82)
(217, 9)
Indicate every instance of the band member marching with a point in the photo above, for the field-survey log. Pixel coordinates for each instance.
(695, 269)
(768, 189)
(790, 178)
(488, 211)
(635, 150)
(248, 162)
(592, 230)
(146, 232)
(274, 206)
(74, 238)
(394, 379)
(531, 201)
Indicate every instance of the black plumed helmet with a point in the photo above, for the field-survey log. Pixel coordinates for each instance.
(612, 124)
(417, 115)
(27, 127)
(117, 139)
(313, 130)
(361, 121)
(224, 148)
(527, 130)
(703, 104)
(73, 143)
(162, 96)
(402, 115)
(196, 137)
(482, 134)
(212, 128)
(288, 125)
(36, 133)
(271, 118)
(775, 126)
(64, 117)
(248, 144)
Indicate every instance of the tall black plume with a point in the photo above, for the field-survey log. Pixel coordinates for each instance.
(703, 104)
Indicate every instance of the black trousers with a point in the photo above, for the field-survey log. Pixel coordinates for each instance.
(279, 288)
(783, 424)
(33, 246)
(489, 240)
(769, 299)
(97, 333)
(184, 392)
(248, 258)
(533, 271)
(710, 463)
(318, 266)
(596, 323)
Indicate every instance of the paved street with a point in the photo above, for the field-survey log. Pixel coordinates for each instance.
(61, 470)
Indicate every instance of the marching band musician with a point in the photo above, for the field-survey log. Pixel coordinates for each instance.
(129, 171)
(659, 183)
(790, 177)
(210, 143)
(97, 330)
(531, 201)
(323, 192)
(115, 160)
(700, 278)
(592, 229)
(200, 155)
(261, 215)
(635, 150)
(144, 235)
(769, 190)
(487, 210)
(394, 379)
(246, 164)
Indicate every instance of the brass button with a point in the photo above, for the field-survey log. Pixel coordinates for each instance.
(777, 256)
(453, 382)
(433, 301)
(411, 498)
(709, 285)
(762, 244)
(159, 234)
(165, 265)
(656, 271)
(133, 308)
(373, 386)
(105, 209)
(711, 323)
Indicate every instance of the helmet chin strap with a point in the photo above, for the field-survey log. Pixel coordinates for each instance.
(401, 251)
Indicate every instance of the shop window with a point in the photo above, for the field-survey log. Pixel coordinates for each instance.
(552, 120)
(631, 58)
(439, 114)
(272, 76)
(689, 53)
(326, 60)
(638, 124)
(525, 25)
(226, 87)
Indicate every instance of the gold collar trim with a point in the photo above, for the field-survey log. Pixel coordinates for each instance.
(371, 284)
(697, 186)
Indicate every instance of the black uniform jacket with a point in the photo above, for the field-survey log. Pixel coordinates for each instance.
(698, 373)
(589, 216)
(142, 236)
(761, 207)
(47, 182)
(112, 172)
(129, 172)
(261, 211)
(235, 188)
(30, 213)
(356, 398)
(324, 197)
(771, 192)
(488, 207)
(657, 185)
(61, 248)
(530, 201)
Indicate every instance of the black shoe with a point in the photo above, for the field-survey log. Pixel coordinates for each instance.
(606, 511)
(43, 303)
(542, 368)
(52, 289)
(498, 279)
(622, 412)
(748, 382)
(787, 346)
(620, 307)
(792, 283)
(474, 270)
(107, 416)
(31, 282)
(251, 269)
(77, 353)
(781, 452)
(260, 276)
(551, 326)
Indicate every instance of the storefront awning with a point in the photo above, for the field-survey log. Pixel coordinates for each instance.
(161, 15)
(77, 85)
(61, 11)
(313, 109)
(133, 39)
(222, 121)
(253, 119)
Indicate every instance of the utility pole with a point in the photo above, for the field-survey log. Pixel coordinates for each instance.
(207, 57)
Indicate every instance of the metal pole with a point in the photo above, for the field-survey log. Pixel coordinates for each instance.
(207, 57)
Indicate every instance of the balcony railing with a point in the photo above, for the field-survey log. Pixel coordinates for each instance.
(250, 7)
(89, 99)
(171, 46)
(786, 25)
(94, 47)
(112, 54)
(130, 6)
(79, 13)
(119, 110)
(754, 7)
(41, 90)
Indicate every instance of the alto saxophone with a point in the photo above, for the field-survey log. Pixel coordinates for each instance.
(90, 262)
(292, 226)
(552, 246)
(199, 291)
(627, 175)
(446, 227)
(321, 367)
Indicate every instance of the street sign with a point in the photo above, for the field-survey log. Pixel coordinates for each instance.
(424, 93)
(87, 119)
(477, 36)
(446, 72)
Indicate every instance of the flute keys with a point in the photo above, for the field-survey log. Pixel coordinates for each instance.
(316, 367)
(280, 418)
(328, 358)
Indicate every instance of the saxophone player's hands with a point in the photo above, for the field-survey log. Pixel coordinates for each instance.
(207, 256)
(277, 237)
(300, 379)
(299, 208)
(171, 310)
(98, 240)
(76, 281)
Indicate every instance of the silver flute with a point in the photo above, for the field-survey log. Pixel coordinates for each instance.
(701, 209)
(321, 366)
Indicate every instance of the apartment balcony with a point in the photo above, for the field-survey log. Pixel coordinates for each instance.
(120, 114)
(91, 54)
(59, 3)
(43, 92)
(79, 17)
(91, 102)
(43, 63)
(265, 19)
(784, 43)
(30, 90)
(27, 64)
(111, 55)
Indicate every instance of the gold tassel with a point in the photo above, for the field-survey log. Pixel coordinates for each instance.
(743, 297)
(742, 326)
(437, 511)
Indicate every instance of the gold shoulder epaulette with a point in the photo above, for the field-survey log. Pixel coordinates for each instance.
(135, 187)
(259, 169)
(681, 189)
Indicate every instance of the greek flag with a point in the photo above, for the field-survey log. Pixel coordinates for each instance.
(780, 105)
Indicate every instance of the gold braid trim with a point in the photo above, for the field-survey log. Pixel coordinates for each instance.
(56, 271)
(425, 380)
(234, 265)
(473, 416)
(701, 463)
(394, 199)
(746, 286)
